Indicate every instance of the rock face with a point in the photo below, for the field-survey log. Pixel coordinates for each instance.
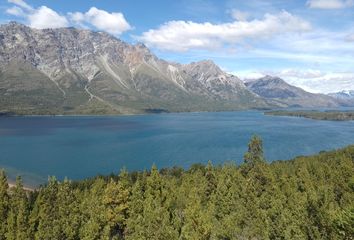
(73, 71)
(277, 91)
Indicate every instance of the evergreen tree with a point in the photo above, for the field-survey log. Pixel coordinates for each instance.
(229, 204)
(48, 219)
(305, 198)
(156, 220)
(68, 211)
(254, 154)
(92, 211)
(17, 222)
(136, 208)
(211, 180)
(344, 224)
(197, 218)
(4, 203)
(115, 200)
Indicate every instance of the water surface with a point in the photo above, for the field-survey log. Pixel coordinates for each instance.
(80, 147)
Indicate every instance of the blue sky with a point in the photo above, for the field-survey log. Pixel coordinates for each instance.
(309, 43)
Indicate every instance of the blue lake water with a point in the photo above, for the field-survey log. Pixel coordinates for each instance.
(80, 147)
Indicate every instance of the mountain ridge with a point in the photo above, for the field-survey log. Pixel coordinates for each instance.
(87, 72)
(94, 67)
(345, 97)
(345, 94)
(278, 91)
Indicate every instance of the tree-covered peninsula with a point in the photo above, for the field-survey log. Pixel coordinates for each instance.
(317, 115)
(304, 198)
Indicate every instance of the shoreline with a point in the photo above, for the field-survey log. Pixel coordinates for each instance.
(25, 187)
(131, 114)
(178, 112)
(336, 115)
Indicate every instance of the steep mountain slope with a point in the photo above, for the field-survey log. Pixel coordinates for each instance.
(277, 91)
(75, 71)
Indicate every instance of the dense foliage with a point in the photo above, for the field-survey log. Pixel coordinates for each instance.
(305, 198)
(318, 115)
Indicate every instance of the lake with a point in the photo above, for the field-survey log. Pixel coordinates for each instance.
(81, 147)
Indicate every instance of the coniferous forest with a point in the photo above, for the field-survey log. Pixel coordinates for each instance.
(305, 198)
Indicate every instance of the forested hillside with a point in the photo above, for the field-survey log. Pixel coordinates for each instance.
(317, 115)
(305, 198)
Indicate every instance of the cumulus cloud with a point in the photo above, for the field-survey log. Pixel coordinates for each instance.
(42, 17)
(22, 4)
(113, 23)
(183, 36)
(45, 17)
(16, 11)
(330, 4)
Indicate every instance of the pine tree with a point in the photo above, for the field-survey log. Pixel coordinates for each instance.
(254, 154)
(211, 180)
(156, 220)
(48, 219)
(197, 218)
(17, 222)
(115, 200)
(136, 208)
(307, 198)
(344, 223)
(68, 211)
(4, 204)
(93, 211)
(229, 204)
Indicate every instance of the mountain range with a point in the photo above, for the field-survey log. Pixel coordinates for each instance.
(345, 97)
(345, 94)
(278, 92)
(75, 71)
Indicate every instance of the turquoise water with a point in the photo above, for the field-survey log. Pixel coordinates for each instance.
(80, 147)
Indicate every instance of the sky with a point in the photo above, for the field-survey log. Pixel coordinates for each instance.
(308, 43)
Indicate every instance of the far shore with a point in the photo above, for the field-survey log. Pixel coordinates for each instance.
(131, 114)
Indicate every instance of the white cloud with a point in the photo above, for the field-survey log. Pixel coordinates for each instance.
(183, 36)
(16, 11)
(239, 15)
(248, 75)
(77, 17)
(305, 74)
(328, 83)
(22, 4)
(350, 37)
(45, 17)
(113, 23)
(330, 4)
(42, 17)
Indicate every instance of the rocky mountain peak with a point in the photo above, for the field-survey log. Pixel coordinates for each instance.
(87, 68)
(83, 70)
(205, 68)
(272, 79)
(14, 24)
